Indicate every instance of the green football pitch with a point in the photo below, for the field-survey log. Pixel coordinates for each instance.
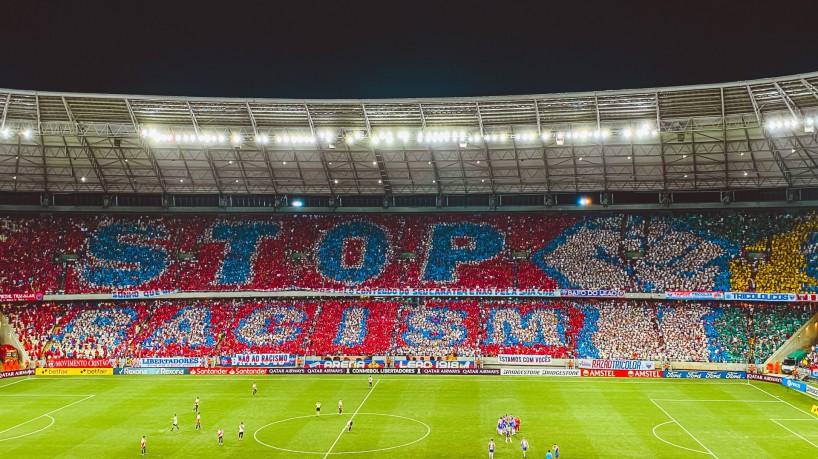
(402, 417)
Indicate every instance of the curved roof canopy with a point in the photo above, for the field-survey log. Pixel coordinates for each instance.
(751, 134)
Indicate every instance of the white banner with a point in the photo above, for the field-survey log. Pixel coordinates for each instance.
(510, 359)
(168, 362)
(607, 364)
(263, 360)
(552, 372)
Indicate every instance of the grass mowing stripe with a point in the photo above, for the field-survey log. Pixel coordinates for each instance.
(353, 417)
(683, 428)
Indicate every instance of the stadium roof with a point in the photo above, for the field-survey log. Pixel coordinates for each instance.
(751, 134)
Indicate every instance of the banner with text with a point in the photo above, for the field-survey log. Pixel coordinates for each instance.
(522, 359)
(364, 363)
(78, 363)
(74, 371)
(263, 360)
(608, 364)
(460, 371)
(151, 371)
(693, 295)
(15, 373)
(765, 378)
(704, 374)
(554, 372)
(168, 362)
(434, 364)
(752, 296)
(622, 373)
(132, 294)
(21, 297)
(793, 384)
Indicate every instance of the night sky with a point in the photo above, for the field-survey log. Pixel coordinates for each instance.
(378, 49)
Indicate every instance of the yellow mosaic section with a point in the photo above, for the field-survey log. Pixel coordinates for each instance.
(784, 272)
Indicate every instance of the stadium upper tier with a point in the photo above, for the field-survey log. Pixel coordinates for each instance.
(752, 134)
(700, 331)
(766, 252)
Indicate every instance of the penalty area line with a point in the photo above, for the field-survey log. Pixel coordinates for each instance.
(793, 432)
(47, 415)
(15, 382)
(686, 431)
(350, 419)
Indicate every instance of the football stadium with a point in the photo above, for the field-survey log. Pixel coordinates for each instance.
(625, 273)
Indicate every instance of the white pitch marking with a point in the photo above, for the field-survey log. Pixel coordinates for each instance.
(353, 417)
(683, 428)
(780, 400)
(428, 431)
(31, 433)
(15, 382)
(792, 432)
(674, 444)
(46, 414)
(692, 400)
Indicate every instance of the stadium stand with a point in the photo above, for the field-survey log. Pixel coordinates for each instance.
(657, 330)
(753, 252)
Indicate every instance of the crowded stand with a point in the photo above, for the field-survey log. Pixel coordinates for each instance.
(628, 252)
(91, 331)
(529, 327)
(438, 328)
(189, 328)
(353, 328)
(268, 327)
(619, 329)
(28, 248)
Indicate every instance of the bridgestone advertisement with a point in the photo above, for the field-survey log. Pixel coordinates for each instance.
(559, 373)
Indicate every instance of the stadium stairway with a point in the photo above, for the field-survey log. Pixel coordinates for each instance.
(803, 338)
(8, 335)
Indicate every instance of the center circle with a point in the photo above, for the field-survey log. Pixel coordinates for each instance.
(387, 448)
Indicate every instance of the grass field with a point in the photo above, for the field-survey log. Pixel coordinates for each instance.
(402, 417)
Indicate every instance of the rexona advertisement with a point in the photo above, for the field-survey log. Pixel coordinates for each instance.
(435, 364)
(607, 364)
(75, 371)
(151, 371)
(621, 373)
(554, 372)
(705, 374)
(506, 359)
(263, 360)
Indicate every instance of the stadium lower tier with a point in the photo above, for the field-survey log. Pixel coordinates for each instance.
(622, 329)
(741, 251)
